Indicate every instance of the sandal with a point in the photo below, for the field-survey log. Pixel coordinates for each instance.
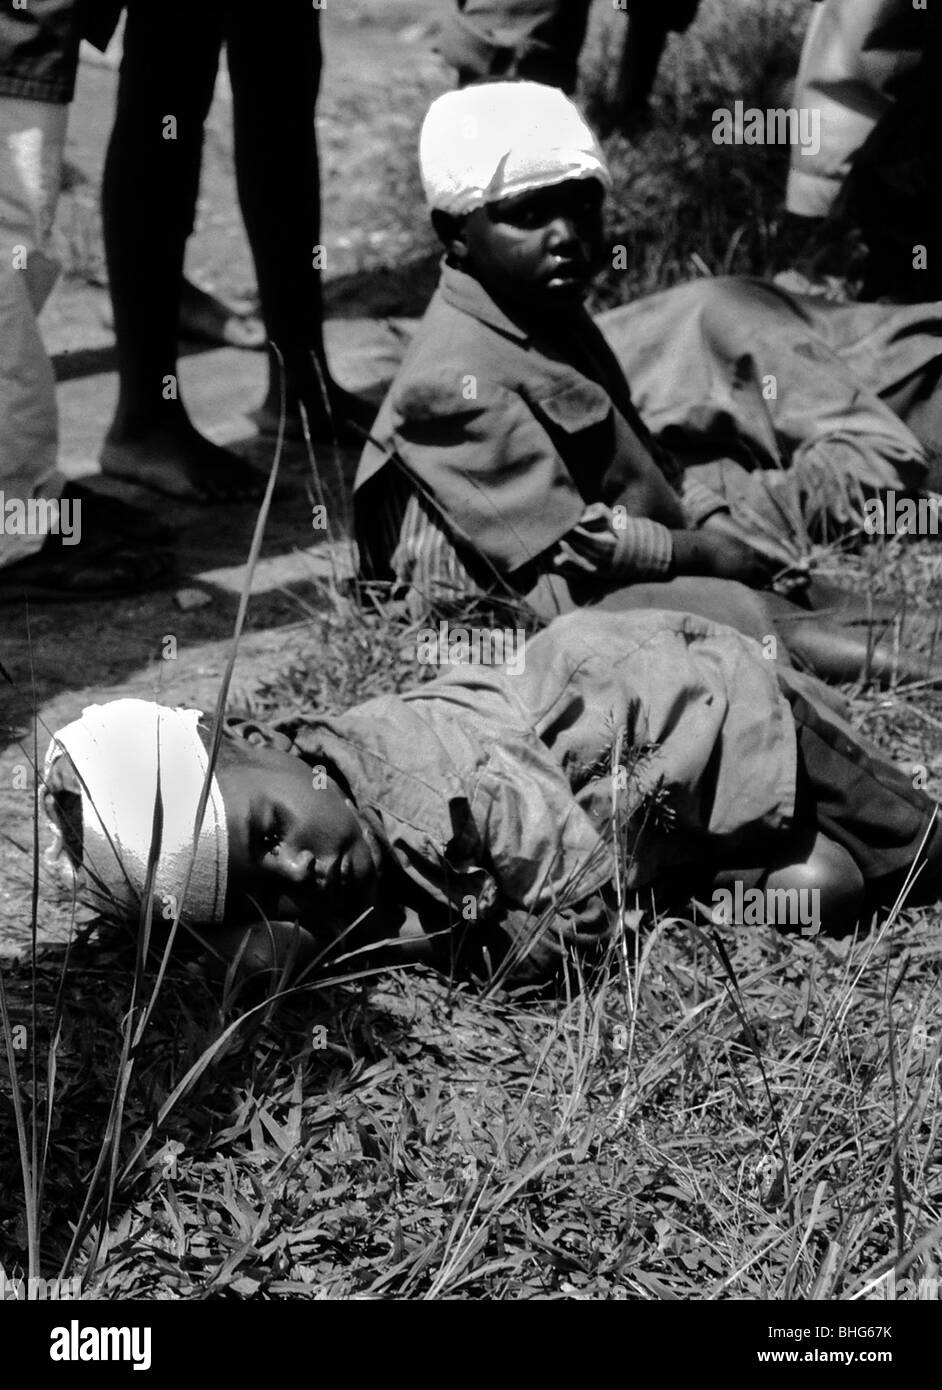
(206, 319)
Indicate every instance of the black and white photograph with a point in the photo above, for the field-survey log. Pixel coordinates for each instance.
(470, 669)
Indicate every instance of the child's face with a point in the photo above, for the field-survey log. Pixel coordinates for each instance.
(538, 247)
(291, 836)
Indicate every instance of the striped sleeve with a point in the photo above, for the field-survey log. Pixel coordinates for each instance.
(700, 502)
(633, 547)
(425, 557)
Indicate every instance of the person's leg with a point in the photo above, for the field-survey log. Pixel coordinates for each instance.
(275, 70)
(892, 189)
(149, 191)
(32, 143)
(828, 877)
(829, 886)
(645, 41)
(835, 652)
(718, 600)
(861, 824)
(58, 540)
(830, 651)
(853, 55)
(535, 39)
(875, 810)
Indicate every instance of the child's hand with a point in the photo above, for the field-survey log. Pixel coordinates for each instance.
(260, 949)
(722, 557)
(781, 554)
(788, 570)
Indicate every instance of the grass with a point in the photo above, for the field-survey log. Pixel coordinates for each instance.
(669, 1134)
(724, 1115)
(682, 205)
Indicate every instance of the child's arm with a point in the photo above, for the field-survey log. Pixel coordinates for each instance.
(722, 556)
(610, 546)
(266, 951)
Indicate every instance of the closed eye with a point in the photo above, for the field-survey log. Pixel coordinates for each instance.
(273, 836)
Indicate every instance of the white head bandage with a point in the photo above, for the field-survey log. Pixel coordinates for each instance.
(493, 141)
(121, 751)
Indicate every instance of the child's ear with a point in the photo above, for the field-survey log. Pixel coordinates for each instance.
(62, 802)
(450, 232)
(63, 777)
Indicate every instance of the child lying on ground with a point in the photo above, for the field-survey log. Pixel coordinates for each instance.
(509, 458)
(494, 819)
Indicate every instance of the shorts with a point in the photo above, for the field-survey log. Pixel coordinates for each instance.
(861, 800)
(39, 48)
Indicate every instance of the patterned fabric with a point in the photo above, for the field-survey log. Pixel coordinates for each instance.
(425, 559)
(700, 501)
(604, 546)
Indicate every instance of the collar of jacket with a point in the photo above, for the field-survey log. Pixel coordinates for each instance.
(461, 291)
(396, 768)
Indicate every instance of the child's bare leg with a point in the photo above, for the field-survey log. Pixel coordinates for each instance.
(846, 607)
(837, 653)
(825, 876)
(829, 871)
(718, 600)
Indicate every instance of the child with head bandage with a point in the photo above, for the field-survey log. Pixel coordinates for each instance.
(509, 463)
(480, 820)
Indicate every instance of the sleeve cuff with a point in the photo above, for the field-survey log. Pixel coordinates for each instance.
(701, 502)
(643, 550)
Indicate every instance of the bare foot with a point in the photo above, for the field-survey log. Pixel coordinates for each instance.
(181, 463)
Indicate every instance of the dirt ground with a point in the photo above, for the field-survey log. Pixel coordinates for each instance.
(60, 657)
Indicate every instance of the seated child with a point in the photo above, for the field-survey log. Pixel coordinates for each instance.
(487, 820)
(509, 458)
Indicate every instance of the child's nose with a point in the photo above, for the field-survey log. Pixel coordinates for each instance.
(563, 230)
(296, 864)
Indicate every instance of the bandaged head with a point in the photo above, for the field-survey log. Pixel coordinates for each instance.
(123, 752)
(500, 139)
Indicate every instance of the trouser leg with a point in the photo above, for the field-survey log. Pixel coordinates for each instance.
(32, 143)
(149, 191)
(535, 39)
(275, 71)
